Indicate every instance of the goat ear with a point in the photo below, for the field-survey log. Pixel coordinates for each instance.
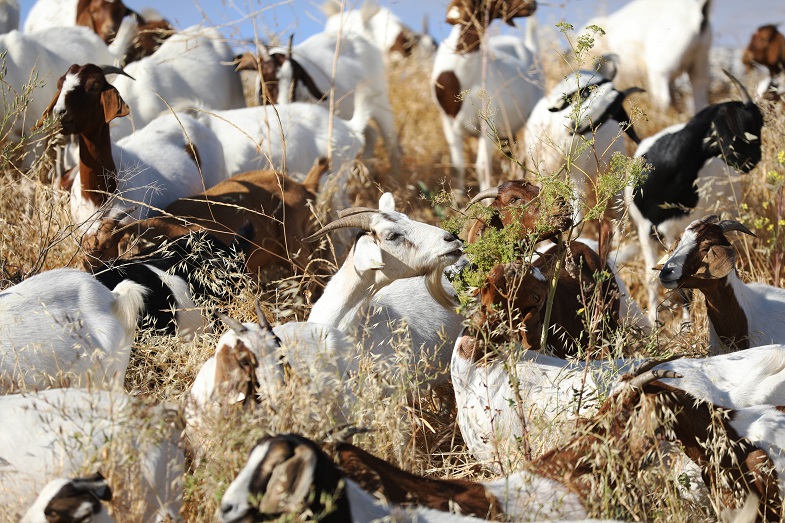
(718, 262)
(290, 483)
(367, 254)
(114, 105)
(48, 111)
(387, 202)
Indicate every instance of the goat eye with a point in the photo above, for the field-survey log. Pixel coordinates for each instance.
(391, 237)
(536, 298)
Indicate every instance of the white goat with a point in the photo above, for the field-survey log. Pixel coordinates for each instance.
(694, 173)
(382, 27)
(635, 31)
(172, 157)
(175, 76)
(65, 326)
(55, 433)
(305, 73)
(290, 138)
(503, 91)
(555, 141)
(740, 315)
(392, 247)
(76, 499)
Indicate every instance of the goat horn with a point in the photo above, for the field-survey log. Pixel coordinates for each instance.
(482, 195)
(355, 210)
(260, 317)
(425, 24)
(632, 90)
(289, 47)
(344, 433)
(745, 96)
(361, 220)
(647, 377)
(111, 69)
(733, 225)
(233, 324)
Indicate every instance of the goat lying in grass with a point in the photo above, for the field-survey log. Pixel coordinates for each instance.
(55, 433)
(63, 326)
(75, 499)
(283, 471)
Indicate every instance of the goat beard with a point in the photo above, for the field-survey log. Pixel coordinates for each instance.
(433, 282)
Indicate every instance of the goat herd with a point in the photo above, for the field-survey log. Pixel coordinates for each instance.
(148, 132)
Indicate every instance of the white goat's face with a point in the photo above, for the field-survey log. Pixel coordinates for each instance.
(399, 247)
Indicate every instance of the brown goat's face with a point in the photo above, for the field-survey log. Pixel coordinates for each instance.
(702, 254)
(85, 101)
(100, 246)
(765, 48)
(466, 12)
(102, 16)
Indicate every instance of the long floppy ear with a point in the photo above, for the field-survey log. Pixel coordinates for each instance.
(718, 262)
(86, 19)
(387, 202)
(246, 62)
(114, 105)
(367, 254)
(290, 483)
(776, 49)
(48, 111)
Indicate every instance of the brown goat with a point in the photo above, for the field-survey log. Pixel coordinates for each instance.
(521, 291)
(102, 16)
(273, 205)
(518, 202)
(766, 47)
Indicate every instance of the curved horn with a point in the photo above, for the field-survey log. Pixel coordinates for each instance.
(632, 90)
(361, 220)
(733, 225)
(233, 324)
(260, 317)
(712, 218)
(649, 376)
(111, 69)
(745, 96)
(289, 47)
(355, 210)
(482, 195)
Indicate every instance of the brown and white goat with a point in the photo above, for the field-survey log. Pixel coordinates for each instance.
(283, 470)
(767, 48)
(741, 315)
(274, 207)
(515, 294)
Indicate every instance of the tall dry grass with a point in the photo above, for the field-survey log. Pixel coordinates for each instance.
(36, 234)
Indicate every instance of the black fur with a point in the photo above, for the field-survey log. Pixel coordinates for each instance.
(718, 130)
(197, 258)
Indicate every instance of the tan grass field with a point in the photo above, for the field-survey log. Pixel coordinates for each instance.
(422, 438)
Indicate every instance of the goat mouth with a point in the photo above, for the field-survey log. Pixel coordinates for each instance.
(454, 254)
(249, 516)
(669, 283)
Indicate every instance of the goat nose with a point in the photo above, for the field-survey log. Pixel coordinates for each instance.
(666, 271)
(450, 237)
(227, 508)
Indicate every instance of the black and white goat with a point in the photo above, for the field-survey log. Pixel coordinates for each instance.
(693, 174)
(75, 499)
(741, 315)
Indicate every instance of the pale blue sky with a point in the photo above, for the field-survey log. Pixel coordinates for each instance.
(733, 21)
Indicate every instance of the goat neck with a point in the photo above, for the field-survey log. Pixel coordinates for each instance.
(347, 292)
(727, 318)
(97, 171)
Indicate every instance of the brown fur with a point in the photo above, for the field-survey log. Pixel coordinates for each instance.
(448, 89)
(518, 203)
(404, 43)
(766, 47)
(513, 289)
(102, 17)
(401, 487)
(235, 372)
(151, 36)
(280, 220)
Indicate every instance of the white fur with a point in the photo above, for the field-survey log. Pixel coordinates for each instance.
(635, 33)
(360, 66)
(46, 14)
(511, 87)
(54, 433)
(192, 65)
(153, 170)
(36, 514)
(64, 324)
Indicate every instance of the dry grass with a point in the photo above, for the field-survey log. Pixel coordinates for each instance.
(423, 440)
